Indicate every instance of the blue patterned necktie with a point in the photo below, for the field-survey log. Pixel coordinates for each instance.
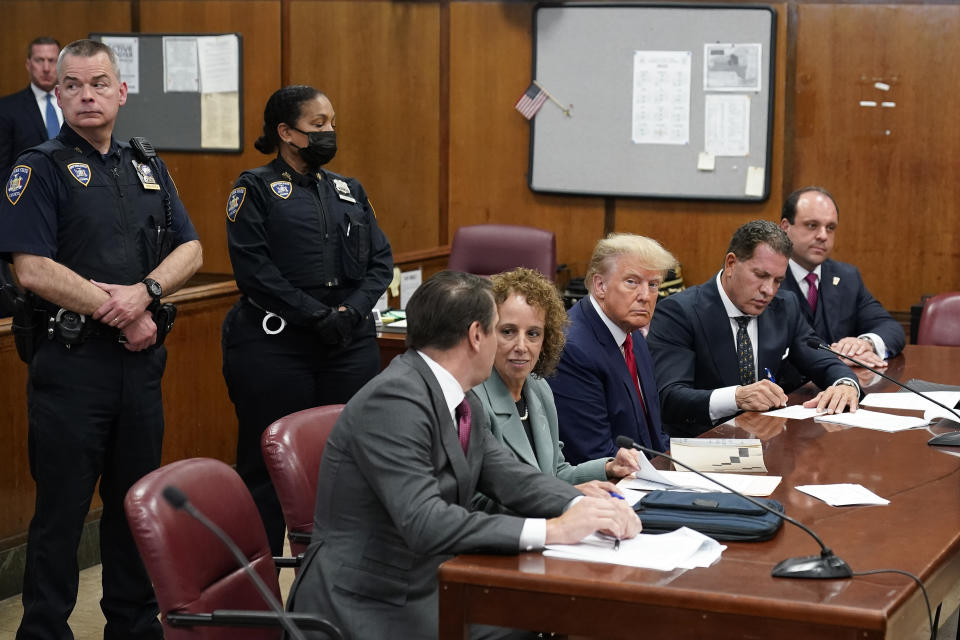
(53, 125)
(748, 374)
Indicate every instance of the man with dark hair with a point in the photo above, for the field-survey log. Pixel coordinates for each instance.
(97, 235)
(30, 116)
(832, 295)
(402, 465)
(718, 348)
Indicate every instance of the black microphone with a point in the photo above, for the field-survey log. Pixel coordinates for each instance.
(178, 500)
(827, 565)
(949, 439)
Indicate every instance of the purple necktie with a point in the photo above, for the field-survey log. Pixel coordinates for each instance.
(812, 293)
(463, 423)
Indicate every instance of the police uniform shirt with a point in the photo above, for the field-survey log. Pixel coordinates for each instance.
(302, 243)
(92, 213)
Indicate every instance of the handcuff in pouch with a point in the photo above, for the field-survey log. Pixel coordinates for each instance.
(66, 327)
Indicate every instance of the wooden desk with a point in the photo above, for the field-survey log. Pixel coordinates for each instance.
(737, 597)
(391, 345)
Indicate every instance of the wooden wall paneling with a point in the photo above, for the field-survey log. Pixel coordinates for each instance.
(378, 62)
(198, 414)
(205, 179)
(490, 63)
(16, 486)
(698, 232)
(893, 170)
(66, 20)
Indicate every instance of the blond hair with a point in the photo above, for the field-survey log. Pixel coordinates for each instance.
(648, 251)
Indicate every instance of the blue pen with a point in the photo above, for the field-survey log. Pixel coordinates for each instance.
(614, 494)
(769, 373)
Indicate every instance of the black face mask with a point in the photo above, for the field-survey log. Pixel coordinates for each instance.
(320, 149)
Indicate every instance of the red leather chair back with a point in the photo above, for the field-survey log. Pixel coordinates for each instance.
(940, 320)
(292, 449)
(191, 570)
(486, 249)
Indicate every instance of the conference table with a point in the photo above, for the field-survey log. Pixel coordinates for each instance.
(919, 531)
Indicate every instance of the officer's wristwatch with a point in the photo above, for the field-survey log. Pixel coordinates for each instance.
(155, 291)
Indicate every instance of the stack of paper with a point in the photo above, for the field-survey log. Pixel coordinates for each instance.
(840, 495)
(723, 455)
(683, 548)
(649, 479)
(866, 419)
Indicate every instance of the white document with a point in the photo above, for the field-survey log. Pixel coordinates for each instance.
(731, 67)
(180, 73)
(128, 59)
(661, 97)
(220, 120)
(866, 419)
(409, 281)
(900, 400)
(841, 495)
(219, 62)
(793, 412)
(744, 483)
(754, 188)
(723, 455)
(726, 126)
(683, 548)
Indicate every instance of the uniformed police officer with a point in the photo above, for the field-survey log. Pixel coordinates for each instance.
(311, 262)
(98, 235)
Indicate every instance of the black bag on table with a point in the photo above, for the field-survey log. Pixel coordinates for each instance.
(721, 516)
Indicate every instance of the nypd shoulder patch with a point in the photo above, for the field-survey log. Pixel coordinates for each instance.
(282, 188)
(80, 171)
(17, 184)
(234, 202)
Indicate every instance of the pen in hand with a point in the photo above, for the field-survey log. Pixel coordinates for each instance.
(769, 373)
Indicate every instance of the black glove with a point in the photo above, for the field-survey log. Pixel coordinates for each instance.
(336, 328)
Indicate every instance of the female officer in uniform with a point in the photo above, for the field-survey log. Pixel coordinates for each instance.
(310, 261)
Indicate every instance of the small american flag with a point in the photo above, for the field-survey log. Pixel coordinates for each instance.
(531, 101)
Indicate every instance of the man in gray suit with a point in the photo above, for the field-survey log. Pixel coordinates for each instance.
(402, 464)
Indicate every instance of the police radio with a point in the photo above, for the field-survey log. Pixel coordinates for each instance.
(148, 155)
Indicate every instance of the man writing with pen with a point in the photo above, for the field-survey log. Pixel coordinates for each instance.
(710, 342)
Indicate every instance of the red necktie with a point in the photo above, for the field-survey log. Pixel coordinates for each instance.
(632, 368)
(812, 292)
(463, 423)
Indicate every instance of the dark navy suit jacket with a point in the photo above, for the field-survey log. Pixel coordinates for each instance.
(595, 397)
(21, 127)
(694, 352)
(848, 308)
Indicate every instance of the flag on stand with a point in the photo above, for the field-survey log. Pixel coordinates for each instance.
(531, 101)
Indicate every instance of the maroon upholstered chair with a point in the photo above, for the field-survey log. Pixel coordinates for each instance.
(292, 448)
(940, 320)
(202, 592)
(486, 249)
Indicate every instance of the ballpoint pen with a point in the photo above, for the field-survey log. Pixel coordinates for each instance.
(769, 373)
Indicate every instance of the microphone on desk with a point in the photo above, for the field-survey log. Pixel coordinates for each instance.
(178, 500)
(825, 566)
(948, 439)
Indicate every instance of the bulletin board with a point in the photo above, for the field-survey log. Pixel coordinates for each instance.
(651, 89)
(184, 91)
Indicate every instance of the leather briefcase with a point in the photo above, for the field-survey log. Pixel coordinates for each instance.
(722, 516)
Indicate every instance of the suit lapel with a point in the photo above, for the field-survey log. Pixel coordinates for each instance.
(715, 325)
(829, 293)
(447, 430)
(32, 109)
(771, 329)
(542, 438)
(512, 429)
(611, 351)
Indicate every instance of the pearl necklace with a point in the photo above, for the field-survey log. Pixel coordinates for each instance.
(526, 412)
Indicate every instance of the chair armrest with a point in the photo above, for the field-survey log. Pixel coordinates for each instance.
(286, 562)
(260, 619)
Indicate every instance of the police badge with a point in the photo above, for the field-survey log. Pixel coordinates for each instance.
(80, 171)
(146, 176)
(282, 188)
(343, 191)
